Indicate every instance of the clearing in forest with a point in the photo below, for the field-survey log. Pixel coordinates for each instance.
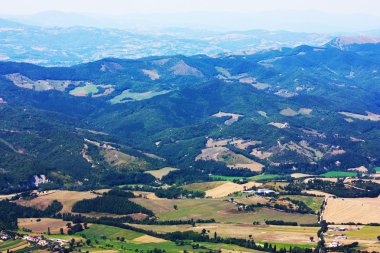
(66, 198)
(159, 174)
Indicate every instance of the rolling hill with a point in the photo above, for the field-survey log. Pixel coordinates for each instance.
(303, 109)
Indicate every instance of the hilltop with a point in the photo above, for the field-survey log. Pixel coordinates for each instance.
(305, 109)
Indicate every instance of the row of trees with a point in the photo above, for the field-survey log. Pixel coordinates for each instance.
(10, 212)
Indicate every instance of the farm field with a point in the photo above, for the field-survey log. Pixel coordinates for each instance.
(314, 203)
(335, 174)
(226, 178)
(228, 188)
(43, 225)
(254, 178)
(318, 193)
(107, 238)
(265, 177)
(67, 198)
(242, 198)
(13, 245)
(357, 210)
(203, 187)
(262, 233)
(301, 175)
(365, 235)
(159, 174)
(221, 211)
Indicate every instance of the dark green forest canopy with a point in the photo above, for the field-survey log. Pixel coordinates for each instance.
(156, 112)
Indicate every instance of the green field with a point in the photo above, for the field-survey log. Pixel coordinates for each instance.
(314, 203)
(265, 177)
(128, 95)
(365, 233)
(254, 178)
(377, 169)
(339, 174)
(110, 232)
(203, 187)
(88, 89)
(227, 178)
(287, 246)
(221, 211)
(10, 244)
(96, 234)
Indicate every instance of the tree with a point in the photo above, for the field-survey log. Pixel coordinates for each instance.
(48, 232)
(311, 238)
(203, 231)
(175, 207)
(88, 241)
(378, 238)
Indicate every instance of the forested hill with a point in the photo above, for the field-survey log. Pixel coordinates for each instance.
(308, 109)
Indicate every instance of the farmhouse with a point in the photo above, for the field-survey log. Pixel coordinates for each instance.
(264, 191)
(334, 244)
(336, 229)
(31, 238)
(4, 236)
(59, 241)
(42, 243)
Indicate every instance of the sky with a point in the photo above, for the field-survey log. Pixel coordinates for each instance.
(120, 7)
(322, 16)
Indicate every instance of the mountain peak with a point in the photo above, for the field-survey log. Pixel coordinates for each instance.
(342, 42)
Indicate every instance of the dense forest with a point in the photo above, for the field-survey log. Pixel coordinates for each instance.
(296, 112)
(109, 204)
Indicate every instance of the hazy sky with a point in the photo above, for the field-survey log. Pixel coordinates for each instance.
(117, 7)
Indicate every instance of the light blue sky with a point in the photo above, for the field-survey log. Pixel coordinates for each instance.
(119, 7)
(219, 15)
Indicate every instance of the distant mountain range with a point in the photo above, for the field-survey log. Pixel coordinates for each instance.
(57, 46)
(305, 109)
(291, 20)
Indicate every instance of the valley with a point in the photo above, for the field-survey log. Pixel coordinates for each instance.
(182, 142)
